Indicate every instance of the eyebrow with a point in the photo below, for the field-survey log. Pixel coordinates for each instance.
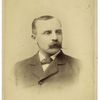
(58, 30)
(51, 30)
(47, 31)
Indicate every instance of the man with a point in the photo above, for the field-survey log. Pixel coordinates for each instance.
(49, 65)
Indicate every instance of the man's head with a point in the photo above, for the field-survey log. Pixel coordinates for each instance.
(46, 30)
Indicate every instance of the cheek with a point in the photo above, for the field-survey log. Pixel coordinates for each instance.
(43, 39)
(60, 38)
(39, 38)
(43, 42)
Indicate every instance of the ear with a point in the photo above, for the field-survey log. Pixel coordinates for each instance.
(33, 36)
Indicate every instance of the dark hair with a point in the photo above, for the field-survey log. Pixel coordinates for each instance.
(45, 17)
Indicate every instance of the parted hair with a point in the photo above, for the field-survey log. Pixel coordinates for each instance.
(45, 17)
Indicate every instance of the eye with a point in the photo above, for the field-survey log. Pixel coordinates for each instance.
(59, 31)
(47, 32)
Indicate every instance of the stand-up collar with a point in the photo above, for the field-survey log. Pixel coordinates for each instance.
(41, 56)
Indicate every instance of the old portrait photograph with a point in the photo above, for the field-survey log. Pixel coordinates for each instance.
(49, 65)
(49, 50)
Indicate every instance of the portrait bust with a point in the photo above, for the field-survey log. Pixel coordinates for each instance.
(50, 65)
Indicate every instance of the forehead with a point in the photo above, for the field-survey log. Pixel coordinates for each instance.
(48, 24)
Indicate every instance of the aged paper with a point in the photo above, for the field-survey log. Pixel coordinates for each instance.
(78, 19)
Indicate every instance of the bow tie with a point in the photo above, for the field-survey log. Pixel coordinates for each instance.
(46, 61)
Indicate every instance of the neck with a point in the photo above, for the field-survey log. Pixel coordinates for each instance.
(44, 53)
(47, 54)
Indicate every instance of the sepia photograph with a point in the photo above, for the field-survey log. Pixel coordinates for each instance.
(49, 65)
(49, 50)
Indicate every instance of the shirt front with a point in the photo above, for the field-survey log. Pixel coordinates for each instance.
(41, 56)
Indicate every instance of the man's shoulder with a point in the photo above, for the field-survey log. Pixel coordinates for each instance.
(68, 58)
(71, 59)
(73, 62)
(27, 61)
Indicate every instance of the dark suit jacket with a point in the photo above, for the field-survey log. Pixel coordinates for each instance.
(29, 72)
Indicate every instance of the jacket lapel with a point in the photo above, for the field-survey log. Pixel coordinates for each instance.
(52, 69)
(37, 68)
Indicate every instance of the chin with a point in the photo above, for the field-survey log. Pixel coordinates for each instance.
(53, 51)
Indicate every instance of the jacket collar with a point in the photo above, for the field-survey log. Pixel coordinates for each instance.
(60, 59)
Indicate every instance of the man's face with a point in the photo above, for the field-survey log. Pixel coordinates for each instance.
(49, 35)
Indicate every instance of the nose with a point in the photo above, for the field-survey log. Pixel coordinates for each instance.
(54, 36)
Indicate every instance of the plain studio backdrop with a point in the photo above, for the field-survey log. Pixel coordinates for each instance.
(78, 18)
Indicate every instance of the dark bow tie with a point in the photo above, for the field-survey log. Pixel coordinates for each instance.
(46, 61)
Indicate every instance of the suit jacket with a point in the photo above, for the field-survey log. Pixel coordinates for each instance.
(64, 69)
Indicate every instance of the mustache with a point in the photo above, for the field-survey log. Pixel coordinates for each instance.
(55, 45)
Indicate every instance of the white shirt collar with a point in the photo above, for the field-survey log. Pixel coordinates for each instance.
(41, 56)
(54, 56)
